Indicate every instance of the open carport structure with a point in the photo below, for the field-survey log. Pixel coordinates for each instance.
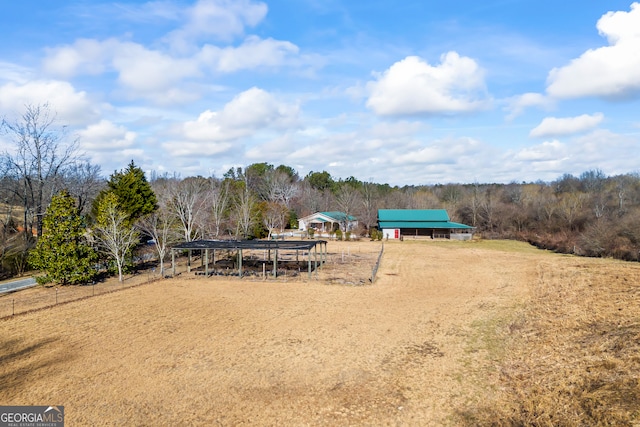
(207, 250)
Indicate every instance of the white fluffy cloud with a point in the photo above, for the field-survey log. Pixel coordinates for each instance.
(220, 19)
(84, 56)
(589, 147)
(174, 69)
(412, 86)
(611, 71)
(517, 105)
(106, 136)
(149, 71)
(548, 151)
(254, 52)
(161, 76)
(70, 106)
(14, 73)
(553, 126)
(551, 159)
(443, 151)
(250, 110)
(214, 132)
(142, 72)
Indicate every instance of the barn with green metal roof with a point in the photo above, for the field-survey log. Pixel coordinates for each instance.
(431, 223)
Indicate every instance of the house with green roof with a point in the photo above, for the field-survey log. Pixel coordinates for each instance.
(431, 223)
(326, 222)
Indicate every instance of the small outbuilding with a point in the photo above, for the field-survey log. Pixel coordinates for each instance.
(327, 222)
(431, 223)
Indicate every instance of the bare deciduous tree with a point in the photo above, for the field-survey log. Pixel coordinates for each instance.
(368, 214)
(113, 234)
(161, 224)
(570, 208)
(42, 152)
(347, 199)
(187, 200)
(218, 203)
(280, 187)
(243, 210)
(274, 216)
(83, 181)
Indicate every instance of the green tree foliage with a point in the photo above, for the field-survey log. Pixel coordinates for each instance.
(234, 174)
(258, 169)
(320, 180)
(62, 252)
(134, 193)
(293, 219)
(288, 170)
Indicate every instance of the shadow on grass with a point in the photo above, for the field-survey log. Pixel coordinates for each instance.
(22, 362)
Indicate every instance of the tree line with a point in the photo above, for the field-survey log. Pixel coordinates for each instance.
(60, 215)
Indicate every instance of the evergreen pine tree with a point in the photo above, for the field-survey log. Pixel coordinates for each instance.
(134, 193)
(62, 251)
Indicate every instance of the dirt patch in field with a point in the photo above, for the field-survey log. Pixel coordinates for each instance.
(411, 349)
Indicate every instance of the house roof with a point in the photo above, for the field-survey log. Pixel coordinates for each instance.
(422, 224)
(329, 216)
(339, 216)
(417, 218)
(413, 215)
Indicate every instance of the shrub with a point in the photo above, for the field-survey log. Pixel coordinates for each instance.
(375, 234)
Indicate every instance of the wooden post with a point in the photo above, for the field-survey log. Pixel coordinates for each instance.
(206, 264)
(173, 261)
(275, 263)
(315, 258)
(240, 263)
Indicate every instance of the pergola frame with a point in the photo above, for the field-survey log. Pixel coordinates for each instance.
(270, 245)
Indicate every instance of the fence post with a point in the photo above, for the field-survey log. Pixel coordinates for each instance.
(374, 270)
(13, 307)
(56, 295)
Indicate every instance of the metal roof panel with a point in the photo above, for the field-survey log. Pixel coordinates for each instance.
(423, 224)
(419, 215)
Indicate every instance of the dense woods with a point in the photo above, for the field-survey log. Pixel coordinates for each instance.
(590, 215)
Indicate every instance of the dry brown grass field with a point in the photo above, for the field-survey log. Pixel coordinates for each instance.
(450, 333)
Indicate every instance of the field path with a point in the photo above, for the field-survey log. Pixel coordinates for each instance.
(409, 350)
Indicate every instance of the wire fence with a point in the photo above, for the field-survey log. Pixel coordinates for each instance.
(41, 297)
(344, 265)
(374, 270)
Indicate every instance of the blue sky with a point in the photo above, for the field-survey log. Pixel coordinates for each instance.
(412, 92)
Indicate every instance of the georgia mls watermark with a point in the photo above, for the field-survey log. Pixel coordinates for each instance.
(31, 416)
